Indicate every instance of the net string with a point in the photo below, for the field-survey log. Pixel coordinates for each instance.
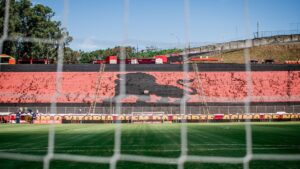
(249, 89)
(53, 107)
(5, 25)
(183, 128)
(150, 159)
(118, 130)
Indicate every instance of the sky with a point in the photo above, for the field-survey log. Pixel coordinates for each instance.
(99, 24)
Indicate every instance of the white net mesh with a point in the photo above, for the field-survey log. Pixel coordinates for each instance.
(117, 155)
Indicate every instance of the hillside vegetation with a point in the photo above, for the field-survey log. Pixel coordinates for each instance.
(279, 53)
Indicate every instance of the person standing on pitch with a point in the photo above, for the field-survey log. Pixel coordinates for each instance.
(18, 117)
(33, 117)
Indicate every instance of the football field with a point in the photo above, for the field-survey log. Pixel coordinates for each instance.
(162, 141)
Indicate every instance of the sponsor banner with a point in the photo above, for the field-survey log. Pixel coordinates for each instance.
(47, 122)
(24, 118)
(166, 117)
(126, 118)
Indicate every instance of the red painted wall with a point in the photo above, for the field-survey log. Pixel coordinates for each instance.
(79, 87)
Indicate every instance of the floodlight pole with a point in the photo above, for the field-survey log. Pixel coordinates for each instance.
(257, 30)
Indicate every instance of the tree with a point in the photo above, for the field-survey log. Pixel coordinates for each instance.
(88, 57)
(70, 56)
(35, 21)
(153, 52)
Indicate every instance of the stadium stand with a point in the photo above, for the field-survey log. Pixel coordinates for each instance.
(79, 87)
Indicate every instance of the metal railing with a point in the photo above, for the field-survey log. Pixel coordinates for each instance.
(262, 34)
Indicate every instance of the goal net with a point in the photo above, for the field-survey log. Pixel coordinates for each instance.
(140, 117)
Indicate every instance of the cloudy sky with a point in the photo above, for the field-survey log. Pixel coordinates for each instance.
(98, 24)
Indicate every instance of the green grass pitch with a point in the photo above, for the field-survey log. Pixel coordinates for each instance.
(159, 140)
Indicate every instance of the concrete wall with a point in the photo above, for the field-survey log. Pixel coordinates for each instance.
(203, 67)
(248, 43)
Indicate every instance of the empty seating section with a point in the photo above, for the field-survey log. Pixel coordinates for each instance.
(26, 87)
(272, 86)
(39, 87)
(79, 87)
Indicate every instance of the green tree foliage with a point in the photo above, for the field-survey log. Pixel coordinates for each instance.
(88, 57)
(70, 56)
(34, 21)
(151, 53)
